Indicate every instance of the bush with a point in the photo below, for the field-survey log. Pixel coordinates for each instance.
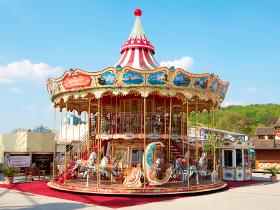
(11, 171)
(273, 170)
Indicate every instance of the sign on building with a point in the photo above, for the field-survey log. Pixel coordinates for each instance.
(20, 161)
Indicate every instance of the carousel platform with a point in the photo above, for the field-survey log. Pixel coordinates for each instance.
(108, 188)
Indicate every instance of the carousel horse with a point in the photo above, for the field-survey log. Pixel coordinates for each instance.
(108, 169)
(202, 165)
(91, 166)
(200, 168)
(85, 165)
(134, 177)
(157, 173)
(180, 169)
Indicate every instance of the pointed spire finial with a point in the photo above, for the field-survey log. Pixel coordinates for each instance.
(137, 51)
(137, 12)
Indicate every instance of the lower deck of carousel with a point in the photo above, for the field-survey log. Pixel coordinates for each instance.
(110, 188)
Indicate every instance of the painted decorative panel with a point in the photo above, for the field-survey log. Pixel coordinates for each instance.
(132, 78)
(121, 154)
(181, 80)
(228, 174)
(202, 83)
(77, 81)
(107, 78)
(223, 90)
(159, 78)
(153, 136)
(239, 174)
(214, 86)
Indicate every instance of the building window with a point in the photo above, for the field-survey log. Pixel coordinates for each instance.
(228, 158)
(239, 158)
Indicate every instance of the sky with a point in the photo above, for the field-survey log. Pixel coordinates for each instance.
(237, 40)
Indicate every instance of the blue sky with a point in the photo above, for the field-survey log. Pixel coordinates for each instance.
(238, 40)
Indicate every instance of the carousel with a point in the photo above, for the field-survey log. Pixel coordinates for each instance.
(137, 114)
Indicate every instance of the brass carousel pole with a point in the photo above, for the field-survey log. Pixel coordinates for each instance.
(116, 115)
(98, 137)
(187, 127)
(144, 131)
(214, 148)
(111, 117)
(182, 128)
(54, 140)
(66, 129)
(220, 165)
(60, 131)
(73, 130)
(88, 142)
(140, 115)
(80, 122)
(169, 139)
(209, 140)
(196, 119)
(165, 116)
(100, 127)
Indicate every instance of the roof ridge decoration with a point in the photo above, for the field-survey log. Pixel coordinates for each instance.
(137, 51)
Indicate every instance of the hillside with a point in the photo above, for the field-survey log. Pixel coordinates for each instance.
(243, 119)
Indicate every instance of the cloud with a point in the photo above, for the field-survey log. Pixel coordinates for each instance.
(230, 103)
(30, 107)
(185, 62)
(251, 90)
(27, 70)
(16, 90)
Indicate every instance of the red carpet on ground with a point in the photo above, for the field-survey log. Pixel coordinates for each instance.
(41, 188)
(232, 184)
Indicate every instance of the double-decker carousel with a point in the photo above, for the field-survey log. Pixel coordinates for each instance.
(138, 139)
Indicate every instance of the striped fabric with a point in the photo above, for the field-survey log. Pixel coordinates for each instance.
(137, 51)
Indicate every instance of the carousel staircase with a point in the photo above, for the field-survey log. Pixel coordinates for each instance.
(76, 152)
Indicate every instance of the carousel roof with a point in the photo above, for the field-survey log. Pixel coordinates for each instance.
(137, 72)
(137, 51)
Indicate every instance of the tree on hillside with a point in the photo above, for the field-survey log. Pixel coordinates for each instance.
(243, 119)
(237, 122)
(271, 120)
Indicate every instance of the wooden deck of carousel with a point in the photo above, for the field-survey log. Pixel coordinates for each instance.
(109, 188)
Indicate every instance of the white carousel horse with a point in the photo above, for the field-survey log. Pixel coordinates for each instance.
(108, 169)
(201, 168)
(85, 165)
(153, 169)
(90, 166)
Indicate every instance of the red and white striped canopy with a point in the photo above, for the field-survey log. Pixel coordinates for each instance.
(137, 51)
